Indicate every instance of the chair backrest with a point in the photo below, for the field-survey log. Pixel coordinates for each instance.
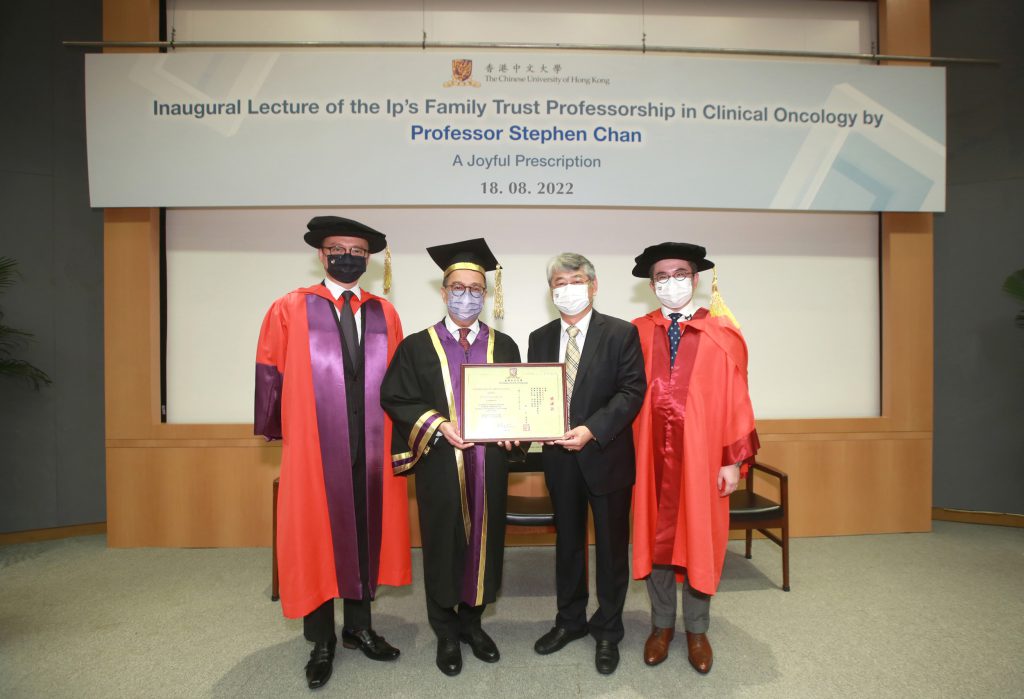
(524, 511)
(746, 506)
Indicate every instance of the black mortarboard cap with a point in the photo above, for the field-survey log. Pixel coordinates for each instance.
(321, 227)
(466, 254)
(475, 255)
(671, 251)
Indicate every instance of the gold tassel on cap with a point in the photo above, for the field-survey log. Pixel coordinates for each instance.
(718, 307)
(387, 270)
(499, 295)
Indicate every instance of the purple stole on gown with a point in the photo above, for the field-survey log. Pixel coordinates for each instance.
(472, 467)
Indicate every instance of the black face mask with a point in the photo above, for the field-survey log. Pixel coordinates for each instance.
(346, 268)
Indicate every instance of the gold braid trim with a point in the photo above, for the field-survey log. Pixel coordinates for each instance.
(718, 307)
(499, 295)
(466, 265)
(483, 531)
(453, 417)
(387, 270)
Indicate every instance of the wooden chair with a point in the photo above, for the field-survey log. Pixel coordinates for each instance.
(274, 582)
(750, 511)
(528, 511)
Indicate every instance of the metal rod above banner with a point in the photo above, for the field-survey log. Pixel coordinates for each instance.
(645, 48)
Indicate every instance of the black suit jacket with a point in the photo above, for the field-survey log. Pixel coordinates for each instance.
(609, 389)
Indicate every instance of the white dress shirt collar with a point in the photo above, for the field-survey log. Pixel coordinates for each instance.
(688, 310)
(337, 289)
(583, 324)
(454, 329)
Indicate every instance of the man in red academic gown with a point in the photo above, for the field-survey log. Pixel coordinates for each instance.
(694, 435)
(342, 516)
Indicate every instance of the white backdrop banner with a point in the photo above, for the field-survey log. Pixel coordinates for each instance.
(542, 129)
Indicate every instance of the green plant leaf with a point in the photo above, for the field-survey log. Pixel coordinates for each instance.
(1014, 285)
(8, 271)
(20, 369)
(11, 339)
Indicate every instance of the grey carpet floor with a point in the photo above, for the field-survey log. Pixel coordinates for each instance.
(907, 615)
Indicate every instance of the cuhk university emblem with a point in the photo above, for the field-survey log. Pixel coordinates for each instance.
(462, 74)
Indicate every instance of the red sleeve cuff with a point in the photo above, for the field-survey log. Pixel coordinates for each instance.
(742, 450)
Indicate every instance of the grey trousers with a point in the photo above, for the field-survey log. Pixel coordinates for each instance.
(661, 588)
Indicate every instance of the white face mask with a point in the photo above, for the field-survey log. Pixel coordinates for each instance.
(571, 298)
(674, 293)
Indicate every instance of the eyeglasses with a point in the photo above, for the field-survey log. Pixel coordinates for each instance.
(457, 290)
(679, 275)
(342, 250)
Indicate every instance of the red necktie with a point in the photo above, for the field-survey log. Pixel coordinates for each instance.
(464, 340)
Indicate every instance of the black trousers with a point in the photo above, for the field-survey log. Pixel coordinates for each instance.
(570, 497)
(318, 625)
(450, 622)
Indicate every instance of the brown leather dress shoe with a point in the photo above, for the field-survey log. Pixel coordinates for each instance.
(700, 652)
(656, 648)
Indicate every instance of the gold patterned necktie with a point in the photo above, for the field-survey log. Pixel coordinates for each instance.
(572, 361)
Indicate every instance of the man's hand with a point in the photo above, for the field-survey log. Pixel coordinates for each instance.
(575, 439)
(507, 445)
(452, 435)
(728, 479)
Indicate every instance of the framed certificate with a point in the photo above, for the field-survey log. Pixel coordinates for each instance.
(513, 401)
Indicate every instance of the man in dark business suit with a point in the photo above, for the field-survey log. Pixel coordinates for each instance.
(594, 461)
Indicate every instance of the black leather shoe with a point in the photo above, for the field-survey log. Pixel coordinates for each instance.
(449, 656)
(556, 639)
(373, 646)
(482, 645)
(321, 663)
(607, 657)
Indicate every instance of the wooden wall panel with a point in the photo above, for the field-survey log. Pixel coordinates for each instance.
(208, 495)
(210, 485)
(190, 496)
(905, 27)
(907, 321)
(131, 322)
(862, 486)
(131, 20)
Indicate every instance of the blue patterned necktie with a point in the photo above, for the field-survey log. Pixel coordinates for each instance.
(674, 333)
